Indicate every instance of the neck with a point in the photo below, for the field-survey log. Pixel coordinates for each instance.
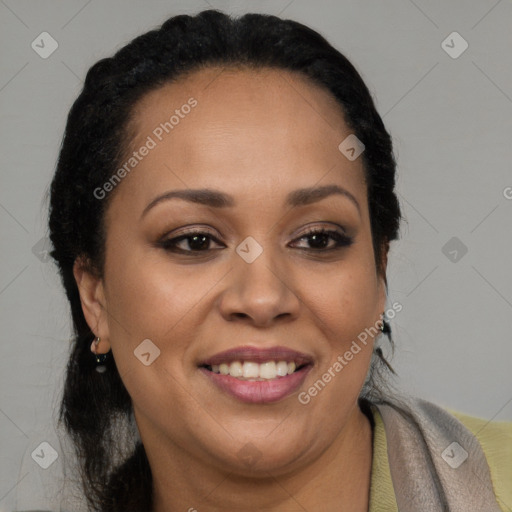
(338, 479)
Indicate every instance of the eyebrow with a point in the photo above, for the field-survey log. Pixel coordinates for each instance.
(217, 199)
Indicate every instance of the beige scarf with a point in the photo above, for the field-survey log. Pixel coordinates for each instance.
(436, 463)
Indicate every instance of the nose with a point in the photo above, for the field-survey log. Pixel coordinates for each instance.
(260, 293)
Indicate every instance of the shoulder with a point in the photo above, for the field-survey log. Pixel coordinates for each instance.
(495, 438)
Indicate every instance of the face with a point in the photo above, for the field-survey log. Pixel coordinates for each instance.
(273, 268)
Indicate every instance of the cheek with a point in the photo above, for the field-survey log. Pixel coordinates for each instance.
(345, 301)
(149, 296)
(154, 301)
(345, 305)
(345, 309)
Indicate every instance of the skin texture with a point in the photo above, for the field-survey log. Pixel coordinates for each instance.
(256, 135)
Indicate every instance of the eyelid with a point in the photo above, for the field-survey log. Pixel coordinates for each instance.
(204, 229)
(197, 229)
(325, 225)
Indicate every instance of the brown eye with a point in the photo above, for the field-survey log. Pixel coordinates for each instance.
(197, 241)
(319, 240)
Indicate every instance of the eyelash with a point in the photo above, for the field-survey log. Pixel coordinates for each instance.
(341, 240)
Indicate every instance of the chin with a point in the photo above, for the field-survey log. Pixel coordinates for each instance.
(252, 456)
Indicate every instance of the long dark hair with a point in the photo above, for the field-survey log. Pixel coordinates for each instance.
(97, 135)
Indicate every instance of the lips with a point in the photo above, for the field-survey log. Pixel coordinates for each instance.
(258, 355)
(255, 375)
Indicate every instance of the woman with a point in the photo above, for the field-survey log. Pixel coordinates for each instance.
(221, 215)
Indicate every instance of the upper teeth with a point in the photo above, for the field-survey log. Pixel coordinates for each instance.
(252, 370)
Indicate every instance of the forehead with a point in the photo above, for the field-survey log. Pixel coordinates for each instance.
(264, 129)
(271, 98)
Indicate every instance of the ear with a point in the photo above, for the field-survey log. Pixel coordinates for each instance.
(92, 298)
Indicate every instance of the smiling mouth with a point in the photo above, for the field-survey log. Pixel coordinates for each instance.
(257, 375)
(254, 371)
(271, 384)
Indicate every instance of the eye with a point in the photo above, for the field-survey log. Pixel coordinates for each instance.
(193, 241)
(319, 239)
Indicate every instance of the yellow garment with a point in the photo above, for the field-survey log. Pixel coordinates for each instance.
(494, 437)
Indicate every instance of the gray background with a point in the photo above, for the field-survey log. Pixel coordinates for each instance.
(450, 119)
